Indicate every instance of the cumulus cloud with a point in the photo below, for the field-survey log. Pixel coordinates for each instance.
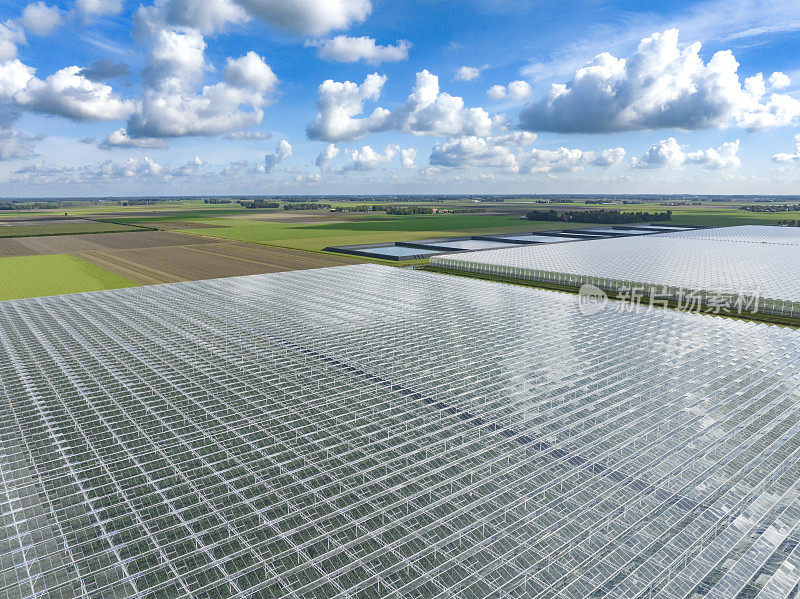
(303, 17)
(367, 159)
(105, 68)
(326, 157)
(11, 35)
(189, 169)
(340, 106)
(309, 17)
(667, 153)
(282, 152)
(426, 111)
(516, 90)
(175, 103)
(40, 19)
(408, 156)
(468, 73)
(15, 145)
(498, 152)
(663, 85)
(99, 8)
(121, 139)
(250, 72)
(173, 109)
(789, 158)
(566, 160)
(778, 81)
(517, 139)
(65, 93)
(473, 152)
(132, 167)
(343, 48)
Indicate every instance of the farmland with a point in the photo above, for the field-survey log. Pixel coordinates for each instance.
(34, 276)
(36, 227)
(151, 257)
(190, 240)
(316, 236)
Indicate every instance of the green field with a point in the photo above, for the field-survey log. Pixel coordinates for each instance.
(35, 276)
(62, 228)
(378, 229)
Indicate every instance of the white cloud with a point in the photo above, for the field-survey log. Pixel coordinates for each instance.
(778, 81)
(326, 157)
(11, 35)
(566, 160)
(789, 158)
(121, 139)
(496, 152)
(282, 152)
(367, 159)
(609, 157)
(309, 17)
(189, 169)
(14, 145)
(40, 19)
(516, 90)
(98, 8)
(468, 73)
(667, 153)
(427, 111)
(340, 105)
(65, 93)
(407, 157)
(250, 72)
(207, 16)
(132, 167)
(173, 110)
(343, 48)
(517, 139)
(471, 152)
(172, 105)
(663, 85)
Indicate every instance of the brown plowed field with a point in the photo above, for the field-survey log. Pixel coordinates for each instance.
(151, 257)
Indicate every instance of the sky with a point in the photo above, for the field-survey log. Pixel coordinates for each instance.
(227, 97)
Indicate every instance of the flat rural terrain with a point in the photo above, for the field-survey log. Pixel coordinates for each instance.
(35, 276)
(190, 240)
(36, 226)
(151, 257)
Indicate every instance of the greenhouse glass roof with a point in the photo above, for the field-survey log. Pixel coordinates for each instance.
(368, 431)
(760, 264)
(745, 233)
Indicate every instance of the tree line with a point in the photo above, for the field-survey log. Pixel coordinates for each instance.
(604, 217)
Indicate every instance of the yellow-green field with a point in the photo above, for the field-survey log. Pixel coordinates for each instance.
(34, 276)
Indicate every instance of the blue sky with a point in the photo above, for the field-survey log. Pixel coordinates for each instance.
(118, 97)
